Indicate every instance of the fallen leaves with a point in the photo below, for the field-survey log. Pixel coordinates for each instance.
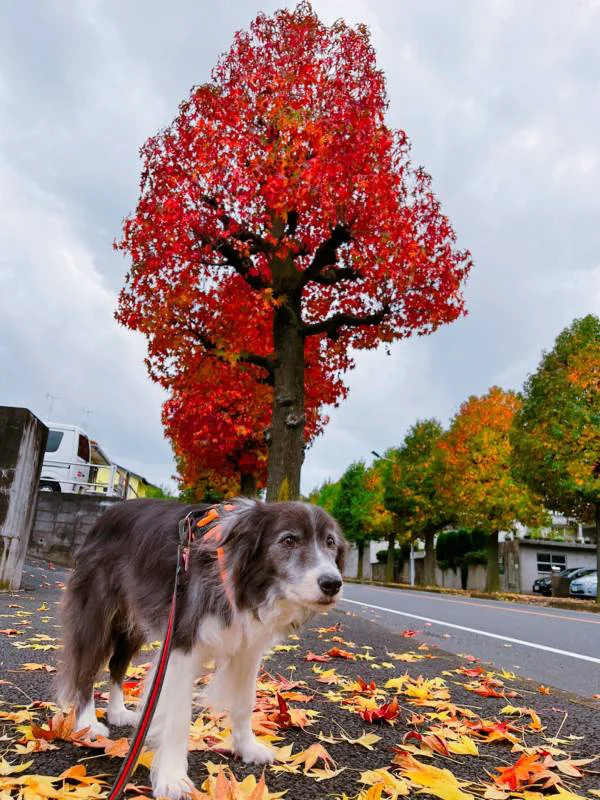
(31, 666)
(40, 787)
(387, 712)
(434, 732)
(438, 782)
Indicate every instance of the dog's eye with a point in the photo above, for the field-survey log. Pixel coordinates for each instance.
(330, 541)
(289, 540)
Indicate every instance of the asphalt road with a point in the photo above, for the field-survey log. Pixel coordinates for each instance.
(555, 647)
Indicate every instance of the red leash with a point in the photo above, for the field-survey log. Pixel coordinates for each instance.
(208, 522)
(150, 706)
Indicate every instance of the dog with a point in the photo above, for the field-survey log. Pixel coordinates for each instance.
(271, 566)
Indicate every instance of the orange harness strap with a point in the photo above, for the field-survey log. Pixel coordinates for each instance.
(211, 530)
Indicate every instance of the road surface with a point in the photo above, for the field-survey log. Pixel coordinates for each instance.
(552, 646)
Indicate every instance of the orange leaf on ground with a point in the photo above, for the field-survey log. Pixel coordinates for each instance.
(337, 652)
(387, 712)
(310, 656)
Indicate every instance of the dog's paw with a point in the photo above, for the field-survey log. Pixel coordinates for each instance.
(94, 729)
(172, 785)
(123, 717)
(254, 752)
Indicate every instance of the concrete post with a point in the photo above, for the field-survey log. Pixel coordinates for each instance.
(22, 445)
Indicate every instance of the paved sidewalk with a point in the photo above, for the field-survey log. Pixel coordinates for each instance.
(332, 709)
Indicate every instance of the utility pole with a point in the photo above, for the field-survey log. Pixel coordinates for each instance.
(86, 417)
(51, 398)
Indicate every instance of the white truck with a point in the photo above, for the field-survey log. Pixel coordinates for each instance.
(66, 466)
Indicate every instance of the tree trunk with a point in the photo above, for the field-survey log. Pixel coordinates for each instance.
(389, 564)
(429, 563)
(598, 552)
(361, 553)
(247, 484)
(492, 583)
(286, 443)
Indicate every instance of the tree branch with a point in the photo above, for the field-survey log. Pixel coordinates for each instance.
(332, 325)
(326, 256)
(265, 362)
(241, 264)
(330, 276)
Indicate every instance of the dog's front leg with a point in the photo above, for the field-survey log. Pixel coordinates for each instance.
(170, 729)
(241, 679)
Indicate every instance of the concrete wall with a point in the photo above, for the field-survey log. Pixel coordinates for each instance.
(576, 555)
(351, 565)
(63, 521)
(22, 444)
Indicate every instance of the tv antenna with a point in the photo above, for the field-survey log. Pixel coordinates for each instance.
(51, 398)
(87, 412)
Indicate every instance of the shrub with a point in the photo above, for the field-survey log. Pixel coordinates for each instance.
(400, 554)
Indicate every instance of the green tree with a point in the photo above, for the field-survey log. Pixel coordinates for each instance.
(353, 509)
(414, 474)
(478, 487)
(325, 496)
(556, 433)
(382, 523)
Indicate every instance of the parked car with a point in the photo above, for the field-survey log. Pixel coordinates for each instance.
(66, 465)
(585, 586)
(544, 585)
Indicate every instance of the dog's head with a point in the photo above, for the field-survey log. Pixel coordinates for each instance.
(284, 551)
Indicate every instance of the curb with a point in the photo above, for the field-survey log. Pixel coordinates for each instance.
(552, 602)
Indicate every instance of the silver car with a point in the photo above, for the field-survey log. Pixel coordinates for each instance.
(586, 586)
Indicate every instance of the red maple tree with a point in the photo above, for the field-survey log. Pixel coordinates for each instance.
(278, 208)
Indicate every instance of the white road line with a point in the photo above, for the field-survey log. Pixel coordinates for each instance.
(548, 649)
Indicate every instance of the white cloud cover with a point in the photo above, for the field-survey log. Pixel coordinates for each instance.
(501, 101)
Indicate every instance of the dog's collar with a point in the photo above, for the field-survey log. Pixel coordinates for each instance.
(208, 522)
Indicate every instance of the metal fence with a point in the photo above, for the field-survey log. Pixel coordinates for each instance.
(116, 483)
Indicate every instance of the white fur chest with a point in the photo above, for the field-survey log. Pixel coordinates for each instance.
(218, 641)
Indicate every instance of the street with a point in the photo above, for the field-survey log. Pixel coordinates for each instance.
(551, 646)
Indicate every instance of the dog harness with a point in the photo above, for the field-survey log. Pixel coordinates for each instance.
(208, 522)
(210, 526)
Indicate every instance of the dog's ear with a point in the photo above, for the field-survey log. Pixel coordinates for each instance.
(243, 530)
(243, 537)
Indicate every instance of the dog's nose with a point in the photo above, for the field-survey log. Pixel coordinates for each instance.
(329, 584)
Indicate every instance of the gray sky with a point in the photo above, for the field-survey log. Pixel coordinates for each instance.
(501, 99)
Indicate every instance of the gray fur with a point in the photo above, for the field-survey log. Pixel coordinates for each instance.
(119, 594)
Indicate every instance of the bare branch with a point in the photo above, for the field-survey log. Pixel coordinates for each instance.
(265, 362)
(241, 264)
(332, 326)
(240, 233)
(326, 256)
(330, 276)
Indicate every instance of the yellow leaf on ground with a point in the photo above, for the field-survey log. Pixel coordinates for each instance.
(310, 756)
(439, 782)
(386, 781)
(12, 769)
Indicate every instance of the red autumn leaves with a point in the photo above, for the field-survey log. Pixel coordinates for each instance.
(279, 179)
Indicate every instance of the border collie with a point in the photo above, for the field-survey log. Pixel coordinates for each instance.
(269, 568)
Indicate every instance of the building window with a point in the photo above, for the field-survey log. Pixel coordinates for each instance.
(551, 562)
